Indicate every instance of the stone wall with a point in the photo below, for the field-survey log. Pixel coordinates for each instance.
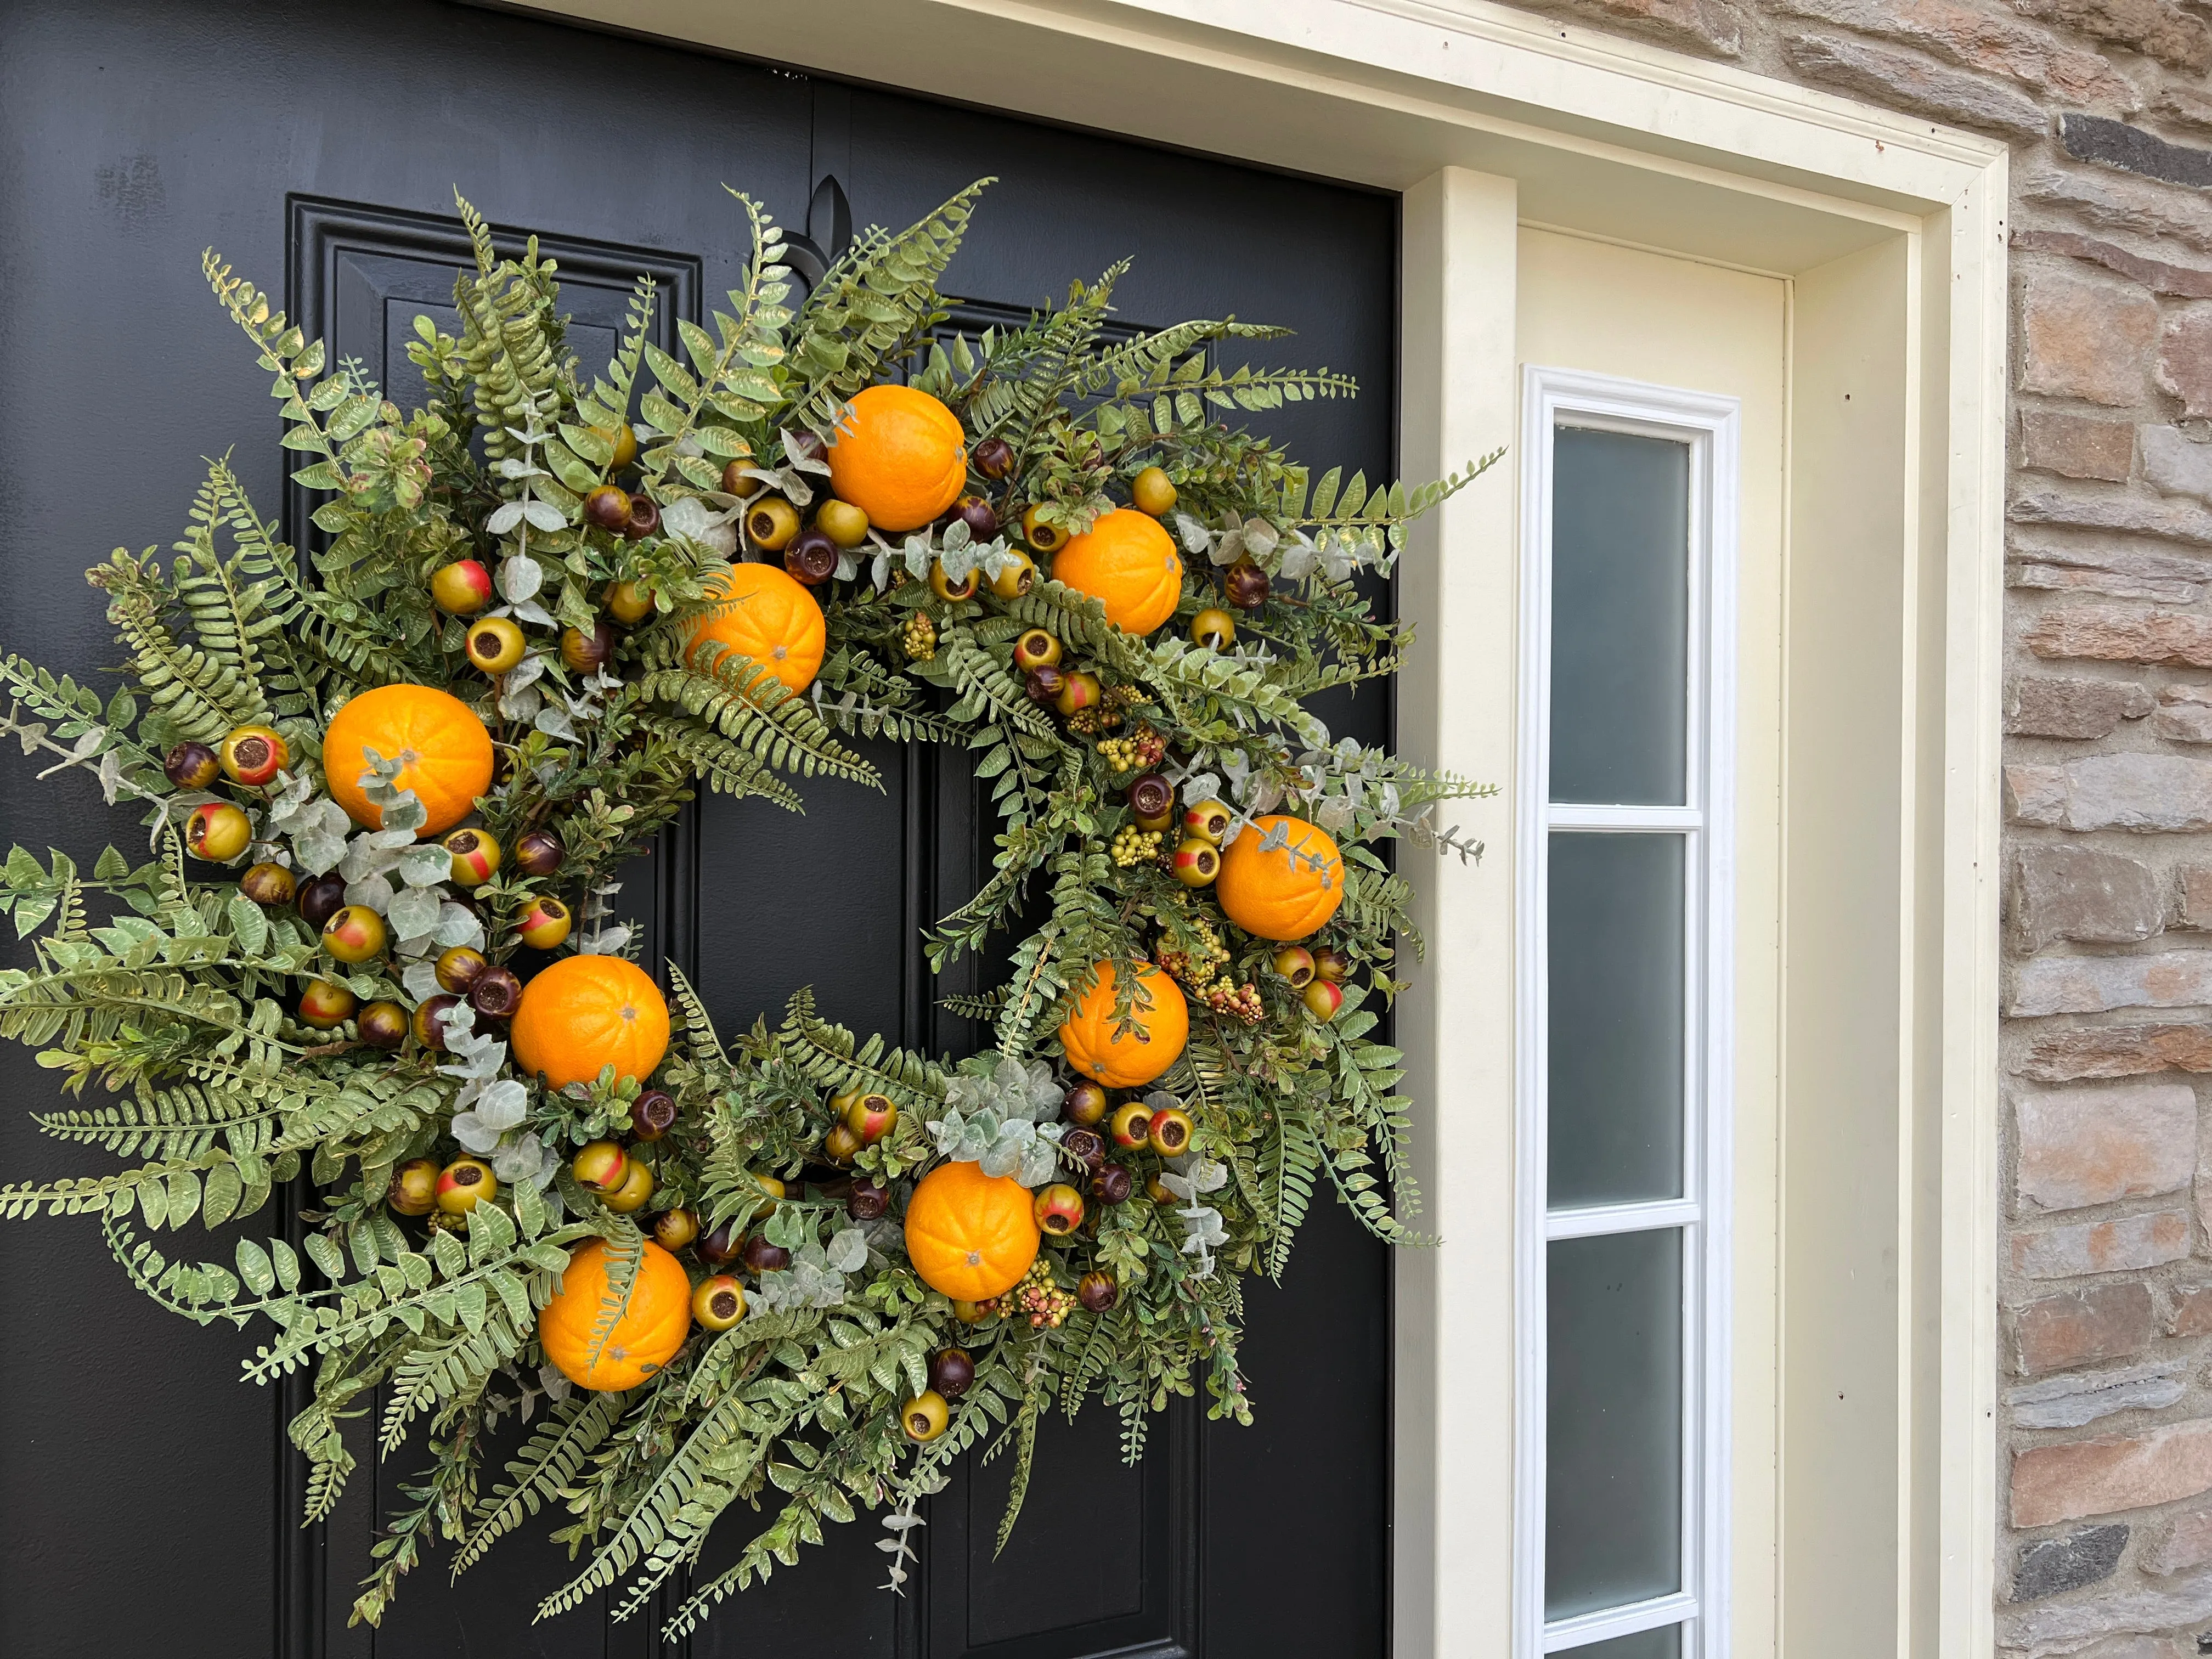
(2105, 1511)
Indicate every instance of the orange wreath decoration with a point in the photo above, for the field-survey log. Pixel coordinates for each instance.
(765, 615)
(1128, 564)
(444, 751)
(900, 457)
(970, 1235)
(655, 1321)
(583, 1012)
(1163, 1019)
(1286, 891)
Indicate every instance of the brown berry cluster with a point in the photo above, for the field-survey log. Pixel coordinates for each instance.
(1140, 751)
(1107, 713)
(1241, 1002)
(1198, 966)
(919, 639)
(1044, 1302)
(1133, 845)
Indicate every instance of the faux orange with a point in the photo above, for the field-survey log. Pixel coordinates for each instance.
(655, 1321)
(1162, 1020)
(768, 617)
(900, 457)
(584, 1012)
(445, 751)
(970, 1235)
(1129, 565)
(1279, 894)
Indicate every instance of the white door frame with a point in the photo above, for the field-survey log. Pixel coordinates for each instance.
(1710, 427)
(1892, 230)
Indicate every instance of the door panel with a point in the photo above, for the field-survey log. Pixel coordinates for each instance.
(324, 146)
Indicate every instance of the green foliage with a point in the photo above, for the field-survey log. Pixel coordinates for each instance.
(168, 1000)
(869, 310)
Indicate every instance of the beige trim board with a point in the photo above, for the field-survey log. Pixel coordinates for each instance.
(1890, 233)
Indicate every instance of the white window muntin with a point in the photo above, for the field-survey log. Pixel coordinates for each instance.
(1708, 426)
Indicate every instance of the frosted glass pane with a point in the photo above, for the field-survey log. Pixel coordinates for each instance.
(1664, 1642)
(1620, 611)
(1613, 1501)
(1616, 1017)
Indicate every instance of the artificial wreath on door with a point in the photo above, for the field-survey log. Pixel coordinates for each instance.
(376, 943)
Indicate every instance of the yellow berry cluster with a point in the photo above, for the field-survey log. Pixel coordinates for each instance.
(1241, 1002)
(1143, 748)
(919, 641)
(1107, 713)
(1134, 846)
(1044, 1302)
(1197, 968)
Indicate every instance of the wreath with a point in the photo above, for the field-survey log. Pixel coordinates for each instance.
(375, 947)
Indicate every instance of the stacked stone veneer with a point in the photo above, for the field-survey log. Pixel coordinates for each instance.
(2104, 1504)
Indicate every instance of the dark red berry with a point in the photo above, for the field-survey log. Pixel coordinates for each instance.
(430, 1021)
(588, 651)
(1098, 1291)
(1113, 1184)
(979, 515)
(951, 1371)
(720, 1248)
(537, 854)
(764, 1257)
(653, 1115)
(495, 994)
(867, 1201)
(1085, 1104)
(382, 1024)
(608, 506)
(1044, 684)
(644, 518)
(1151, 795)
(192, 765)
(1246, 585)
(994, 459)
(811, 556)
(320, 898)
(1086, 1146)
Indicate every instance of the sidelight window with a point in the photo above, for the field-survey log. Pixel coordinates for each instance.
(1627, 628)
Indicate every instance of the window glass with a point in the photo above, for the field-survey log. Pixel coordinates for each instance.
(1620, 606)
(1616, 1012)
(1613, 1519)
(1664, 1642)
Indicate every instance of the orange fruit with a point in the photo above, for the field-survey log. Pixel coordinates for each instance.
(900, 457)
(1129, 565)
(445, 751)
(970, 1235)
(1277, 894)
(584, 1012)
(766, 616)
(1163, 1021)
(654, 1319)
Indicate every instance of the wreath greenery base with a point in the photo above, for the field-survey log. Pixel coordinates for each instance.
(171, 990)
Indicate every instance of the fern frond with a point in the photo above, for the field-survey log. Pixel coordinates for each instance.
(732, 379)
(871, 307)
(203, 695)
(745, 702)
(547, 1462)
(828, 1054)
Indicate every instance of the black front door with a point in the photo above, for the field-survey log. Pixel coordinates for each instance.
(147, 1500)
